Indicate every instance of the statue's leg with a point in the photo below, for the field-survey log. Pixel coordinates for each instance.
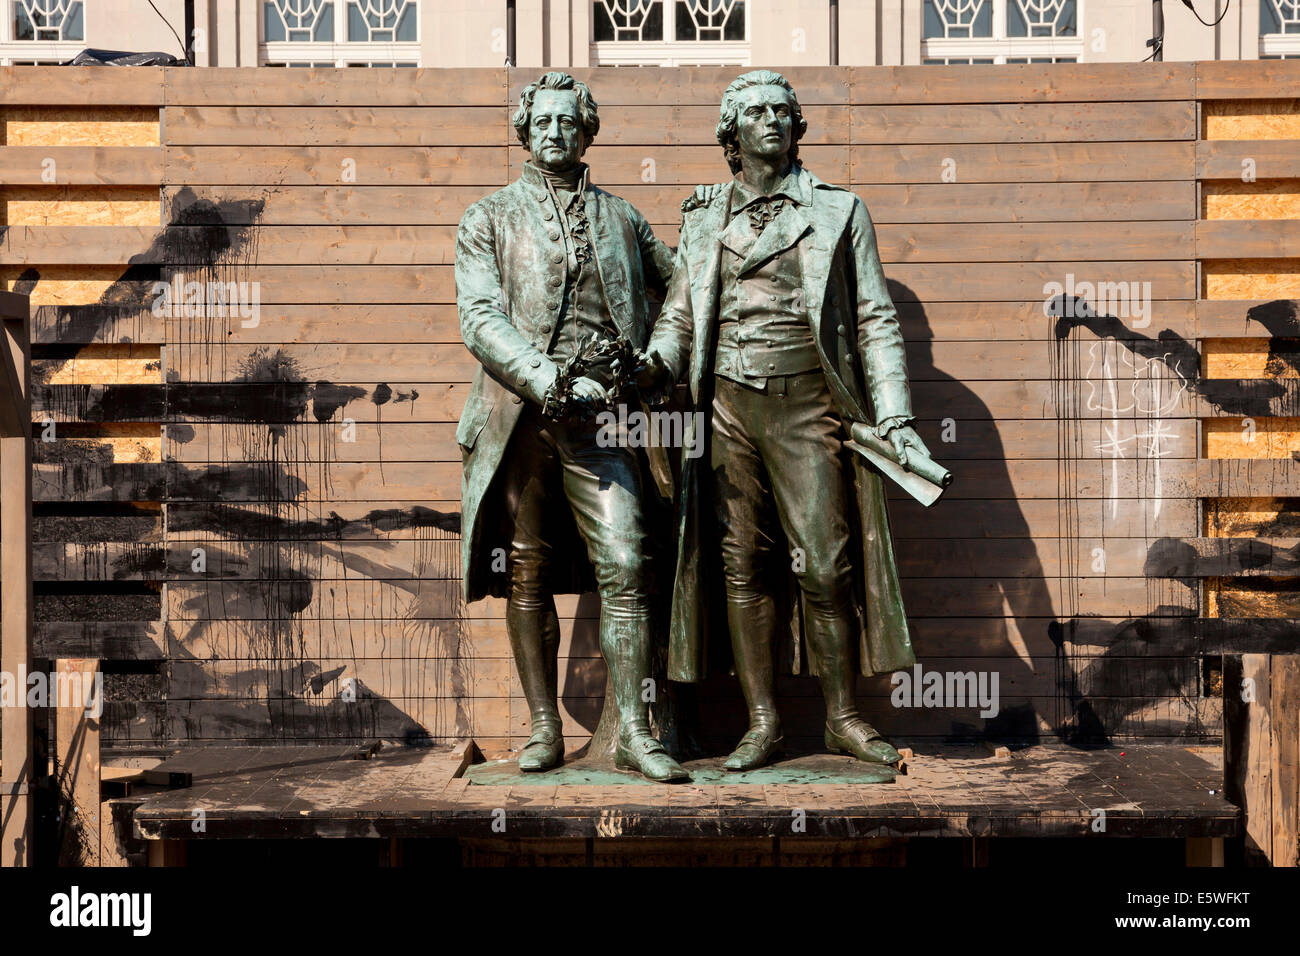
(742, 500)
(603, 486)
(530, 490)
(803, 449)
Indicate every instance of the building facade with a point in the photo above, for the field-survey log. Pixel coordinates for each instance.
(579, 33)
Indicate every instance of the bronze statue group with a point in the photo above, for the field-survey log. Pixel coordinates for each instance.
(777, 318)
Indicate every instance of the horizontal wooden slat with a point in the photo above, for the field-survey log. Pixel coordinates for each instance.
(440, 401)
(334, 87)
(257, 481)
(333, 165)
(973, 202)
(1247, 238)
(103, 640)
(929, 281)
(347, 322)
(452, 362)
(227, 125)
(81, 165)
(1247, 160)
(396, 439)
(1247, 477)
(448, 126)
(696, 86)
(1226, 318)
(1021, 162)
(1085, 638)
(81, 86)
(405, 558)
(1027, 82)
(356, 600)
(1018, 242)
(1024, 122)
(1234, 80)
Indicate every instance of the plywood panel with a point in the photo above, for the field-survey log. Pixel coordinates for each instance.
(1255, 438)
(79, 126)
(1267, 199)
(79, 205)
(1252, 119)
(1251, 517)
(1251, 278)
(72, 285)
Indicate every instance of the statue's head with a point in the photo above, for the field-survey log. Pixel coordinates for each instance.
(760, 117)
(556, 121)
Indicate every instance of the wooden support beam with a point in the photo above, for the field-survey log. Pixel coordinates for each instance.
(77, 763)
(16, 757)
(1261, 697)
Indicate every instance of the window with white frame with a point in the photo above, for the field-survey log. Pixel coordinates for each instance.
(41, 31)
(670, 33)
(1001, 31)
(340, 33)
(1279, 29)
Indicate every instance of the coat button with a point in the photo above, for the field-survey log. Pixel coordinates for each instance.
(552, 305)
(842, 330)
(771, 366)
(553, 281)
(516, 399)
(848, 358)
(542, 197)
(555, 236)
(523, 382)
(546, 328)
(557, 257)
(548, 215)
(536, 363)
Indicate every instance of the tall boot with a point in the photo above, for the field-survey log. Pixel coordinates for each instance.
(534, 631)
(752, 625)
(625, 635)
(829, 639)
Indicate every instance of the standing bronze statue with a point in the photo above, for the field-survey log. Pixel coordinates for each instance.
(779, 316)
(551, 282)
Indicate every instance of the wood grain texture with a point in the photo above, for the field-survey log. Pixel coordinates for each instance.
(329, 559)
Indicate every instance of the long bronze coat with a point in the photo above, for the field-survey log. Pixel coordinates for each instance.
(861, 349)
(508, 286)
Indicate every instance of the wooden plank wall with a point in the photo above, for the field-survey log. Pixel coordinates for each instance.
(257, 523)
(1249, 171)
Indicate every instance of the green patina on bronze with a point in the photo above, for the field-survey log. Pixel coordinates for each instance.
(778, 242)
(778, 318)
(810, 770)
(543, 266)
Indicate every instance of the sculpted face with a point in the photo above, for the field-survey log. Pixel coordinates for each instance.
(555, 130)
(764, 122)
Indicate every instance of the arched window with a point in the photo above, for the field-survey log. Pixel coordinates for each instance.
(340, 33)
(1001, 31)
(670, 33)
(1279, 29)
(41, 31)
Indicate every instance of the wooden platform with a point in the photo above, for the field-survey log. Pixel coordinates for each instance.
(350, 792)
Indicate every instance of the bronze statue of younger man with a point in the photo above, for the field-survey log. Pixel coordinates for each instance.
(778, 315)
(545, 266)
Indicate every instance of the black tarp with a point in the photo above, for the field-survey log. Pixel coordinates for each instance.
(122, 58)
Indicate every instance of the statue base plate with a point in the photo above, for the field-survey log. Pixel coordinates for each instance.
(810, 769)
